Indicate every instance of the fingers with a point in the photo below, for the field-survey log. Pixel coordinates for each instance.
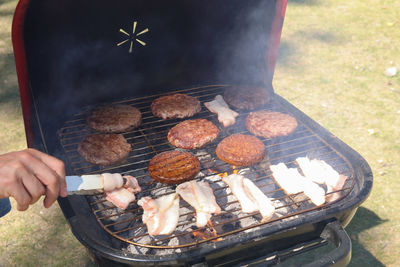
(14, 186)
(32, 185)
(56, 165)
(28, 174)
(20, 184)
(44, 174)
(29, 189)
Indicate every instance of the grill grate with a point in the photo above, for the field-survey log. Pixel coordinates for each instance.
(151, 138)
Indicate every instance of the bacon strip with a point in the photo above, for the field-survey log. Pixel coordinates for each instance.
(201, 197)
(120, 197)
(123, 196)
(292, 182)
(132, 184)
(321, 172)
(160, 215)
(226, 116)
(112, 181)
(250, 197)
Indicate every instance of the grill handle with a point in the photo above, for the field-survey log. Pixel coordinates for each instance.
(341, 255)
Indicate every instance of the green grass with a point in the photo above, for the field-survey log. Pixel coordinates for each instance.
(11, 134)
(331, 63)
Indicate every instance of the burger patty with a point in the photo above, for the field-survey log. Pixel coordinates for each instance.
(104, 149)
(270, 124)
(191, 134)
(240, 150)
(246, 97)
(114, 118)
(175, 106)
(174, 167)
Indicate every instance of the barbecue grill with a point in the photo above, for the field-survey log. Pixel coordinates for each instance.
(72, 56)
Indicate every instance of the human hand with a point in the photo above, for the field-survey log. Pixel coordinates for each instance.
(28, 174)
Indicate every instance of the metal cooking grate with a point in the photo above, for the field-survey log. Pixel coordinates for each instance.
(151, 138)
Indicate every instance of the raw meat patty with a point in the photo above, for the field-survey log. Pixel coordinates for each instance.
(114, 118)
(246, 97)
(270, 124)
(104, 149)
(240, 150)
(175, 106)
(174, 167)
(191, 134)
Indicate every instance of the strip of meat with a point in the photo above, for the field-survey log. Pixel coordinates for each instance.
(264, 204)
(201, 197)
(321, 172)
(313, 191)
(160, 215)
(334, 196)
(287, 178)
(292, 182)
(306, 166)
(250, 197)
(132, 184)
(235, 182)
(112, 181)
(122, 197)
(226, 116)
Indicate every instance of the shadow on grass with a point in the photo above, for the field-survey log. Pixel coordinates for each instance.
(326, 37)
(303, 2)
(363, 220)
(287, 52)
(291, 48)
(6, 1)
(7, 12)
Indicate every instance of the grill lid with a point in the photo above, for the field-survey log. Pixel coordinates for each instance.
(71, 54)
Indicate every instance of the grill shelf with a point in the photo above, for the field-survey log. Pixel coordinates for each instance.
(151, 138)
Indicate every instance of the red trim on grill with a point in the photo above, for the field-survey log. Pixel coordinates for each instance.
(22, 67)
(275, 37)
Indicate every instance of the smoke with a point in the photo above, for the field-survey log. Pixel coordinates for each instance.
(242, 59)
(75, 61)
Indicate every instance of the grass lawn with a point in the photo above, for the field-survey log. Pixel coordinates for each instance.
(332, 58)
(331, 63)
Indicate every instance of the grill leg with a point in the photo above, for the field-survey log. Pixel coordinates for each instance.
(341, 255)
